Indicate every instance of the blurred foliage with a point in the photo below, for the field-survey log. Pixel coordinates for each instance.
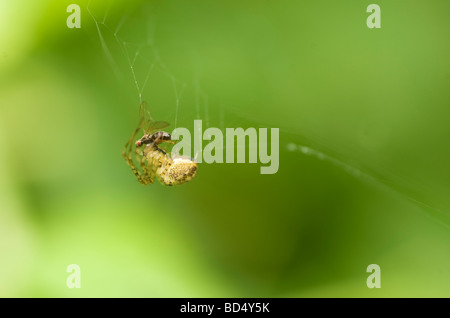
(374, 99)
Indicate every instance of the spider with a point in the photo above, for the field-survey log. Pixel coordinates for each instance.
(154, 160)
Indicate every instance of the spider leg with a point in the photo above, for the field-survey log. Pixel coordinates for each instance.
(140, 176)
(129, 143)
(141, 157)
(126, 153)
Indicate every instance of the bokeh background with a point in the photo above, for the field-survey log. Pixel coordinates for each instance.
(372, 104)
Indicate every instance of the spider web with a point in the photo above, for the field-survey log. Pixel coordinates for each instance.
(142, 57)
(145, 52)
(389, 183)
(378, 177)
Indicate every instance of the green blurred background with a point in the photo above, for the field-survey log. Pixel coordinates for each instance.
(376, 102)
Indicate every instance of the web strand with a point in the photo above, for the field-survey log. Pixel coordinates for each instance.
(133, 55)
(103, 42)
(429, 210)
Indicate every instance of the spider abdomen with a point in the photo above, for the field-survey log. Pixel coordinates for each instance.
(175, 171)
